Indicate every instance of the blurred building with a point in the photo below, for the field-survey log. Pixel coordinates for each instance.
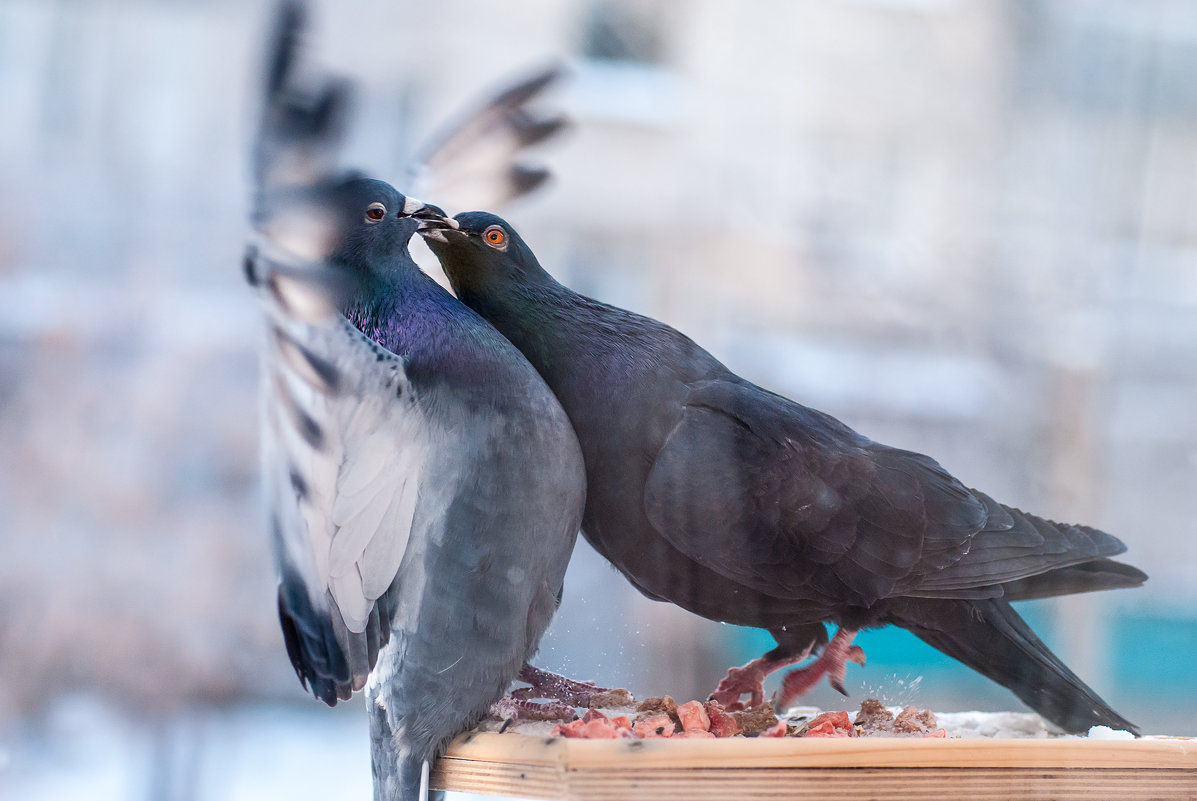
(964, 228)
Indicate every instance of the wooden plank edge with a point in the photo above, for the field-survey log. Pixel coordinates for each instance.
(876, 752)
(811, 784)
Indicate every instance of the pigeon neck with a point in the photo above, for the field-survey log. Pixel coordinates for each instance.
(387, 310)
(526, 312)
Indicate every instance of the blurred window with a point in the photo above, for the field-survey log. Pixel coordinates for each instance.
(623, 76)
(624, 31)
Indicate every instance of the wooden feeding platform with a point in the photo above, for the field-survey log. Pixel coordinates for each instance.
(844, 769)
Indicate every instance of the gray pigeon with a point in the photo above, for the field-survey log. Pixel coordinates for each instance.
(425, 487)
(743, 506)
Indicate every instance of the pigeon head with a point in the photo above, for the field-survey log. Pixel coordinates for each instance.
(371, 223)
(359, 224)
(482, 253)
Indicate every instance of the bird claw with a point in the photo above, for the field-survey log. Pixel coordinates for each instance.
(831, 663)
(737, 682)
(725, 700)
(569, 692)
(508, 709)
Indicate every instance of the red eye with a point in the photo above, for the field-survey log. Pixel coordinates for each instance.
(496, 237)
(375, 212)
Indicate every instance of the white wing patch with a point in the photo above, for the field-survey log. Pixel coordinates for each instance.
(347, 445)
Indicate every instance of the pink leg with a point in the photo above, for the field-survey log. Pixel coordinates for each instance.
(552, 685)
(563, 696)
(833, 663)
(750, 679)
(511, 708)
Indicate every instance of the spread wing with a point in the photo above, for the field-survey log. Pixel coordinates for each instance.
(792, 502)
(476, 162)
(346, 444)
(344, 441)
(304, 118)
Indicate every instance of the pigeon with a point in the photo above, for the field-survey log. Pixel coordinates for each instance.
(425, 487)
(745, 507)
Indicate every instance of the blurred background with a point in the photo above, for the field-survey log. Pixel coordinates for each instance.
(965, 227)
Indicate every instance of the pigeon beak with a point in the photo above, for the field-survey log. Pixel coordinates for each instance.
(433, 220)
(436, 230)
(430, 216)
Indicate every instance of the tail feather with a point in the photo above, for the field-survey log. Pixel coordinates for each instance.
(1014, 545)
(1100, 574)
(990, 637)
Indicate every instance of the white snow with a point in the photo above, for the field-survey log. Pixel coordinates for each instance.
(1106, 733)
(1018, 725)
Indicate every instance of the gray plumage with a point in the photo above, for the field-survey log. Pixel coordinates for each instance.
(425, 487)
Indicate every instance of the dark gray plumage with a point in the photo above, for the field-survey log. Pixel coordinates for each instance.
(743, 506)
(425, 486)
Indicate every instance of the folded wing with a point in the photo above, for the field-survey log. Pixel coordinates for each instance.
(792, 502)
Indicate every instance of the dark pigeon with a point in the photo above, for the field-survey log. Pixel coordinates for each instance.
(425, 487)
(745, 507)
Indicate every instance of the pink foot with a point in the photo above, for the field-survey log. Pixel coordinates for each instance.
(750, 679)
(561, 696)
(833, 663)
(509, 709)
(552, 685)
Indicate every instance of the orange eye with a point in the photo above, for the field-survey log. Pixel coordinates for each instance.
(496, 237)
(375, 212)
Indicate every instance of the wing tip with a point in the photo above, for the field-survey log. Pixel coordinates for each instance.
(290, 19)
(312, 647)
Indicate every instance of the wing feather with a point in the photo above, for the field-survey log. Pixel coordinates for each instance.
(474, 163)
(348, 442)
(347, 445)
(785, 499)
